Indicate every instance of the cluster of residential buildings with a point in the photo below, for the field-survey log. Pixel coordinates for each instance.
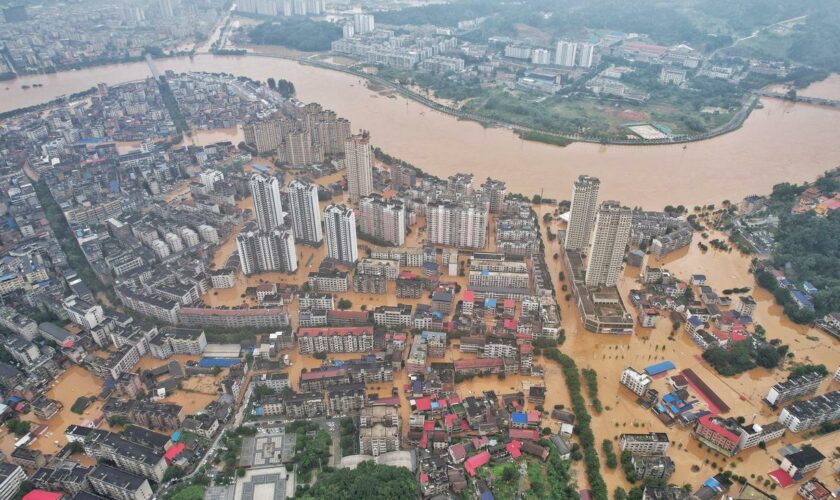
(420, 47)
(49, 38)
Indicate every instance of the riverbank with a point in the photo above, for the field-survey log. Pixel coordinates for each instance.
(524, 130)
(780, 142)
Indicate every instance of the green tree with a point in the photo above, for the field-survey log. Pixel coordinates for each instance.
(344, 304)
(172, 473)
(368, 481)
(18, 427)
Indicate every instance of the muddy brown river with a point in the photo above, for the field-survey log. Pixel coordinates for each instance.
(780, 142)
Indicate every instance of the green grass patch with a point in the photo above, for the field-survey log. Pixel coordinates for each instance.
(555, 140)
(80, 405)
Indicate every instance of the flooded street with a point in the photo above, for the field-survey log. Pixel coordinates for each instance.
(781, 142)
(609, 355)
(72, 384)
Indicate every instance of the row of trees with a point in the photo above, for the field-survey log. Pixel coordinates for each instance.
(597, 486)
(591, 378)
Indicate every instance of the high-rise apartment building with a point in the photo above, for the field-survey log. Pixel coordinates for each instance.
(612, 230)
(267, 205)
(265, 136)
(340, 228)
(332, 134)
(458, 225)
(298, 149)
(266, 251)
(495, 191)
(585, 55)
(582, 216)
(165, 8)
(383, 219)
(566, 53)
(358, 157)
(306, 213)
(363, 23)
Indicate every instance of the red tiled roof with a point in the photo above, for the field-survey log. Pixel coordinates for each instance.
(335, 372)
(461, 364)
(429, 425)
(479, 442)
(523, 434)
(781, 477)
(173, 452)
(42, 495)
(392, 401)
(457, 451)
(474, 462)
(737, 337)
(513, 448)
(706, 421)
(423, 404)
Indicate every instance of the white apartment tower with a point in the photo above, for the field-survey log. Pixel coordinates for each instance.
(306, 213)
(358, 157)
(582, 216)
(462, 226)
(264, 136)
(340, 228)
(383, 219)
(267, 206)
(586, 55)
(363, 23)
(566, 53)
(266, 251)
(298, 149)
(612, 230)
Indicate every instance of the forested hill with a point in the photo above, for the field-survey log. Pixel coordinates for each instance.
(703, 24)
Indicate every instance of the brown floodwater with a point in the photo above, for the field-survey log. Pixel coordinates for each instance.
(609, 355)
(73, 383)
(781, 142)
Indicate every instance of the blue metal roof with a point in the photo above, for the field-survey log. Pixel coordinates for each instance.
(658, 368)
(695, 320)
(519, 418)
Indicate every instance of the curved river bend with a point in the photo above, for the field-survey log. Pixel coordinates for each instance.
(781, 142)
